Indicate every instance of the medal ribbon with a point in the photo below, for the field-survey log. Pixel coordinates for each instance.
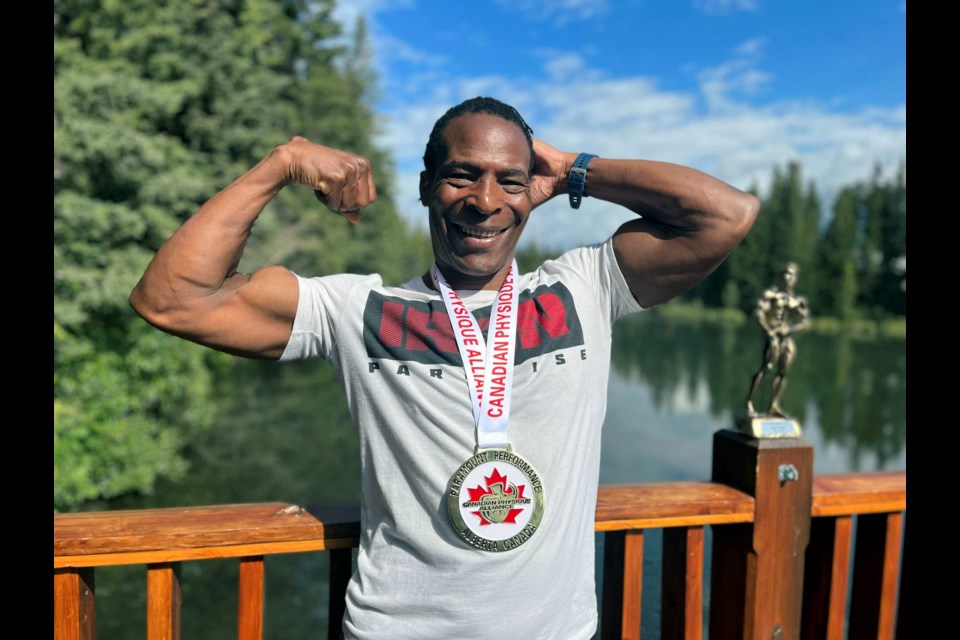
(489, 371)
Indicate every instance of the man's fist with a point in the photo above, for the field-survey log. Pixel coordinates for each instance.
(343, 181)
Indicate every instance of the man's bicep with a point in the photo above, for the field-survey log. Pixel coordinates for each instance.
(251, 315)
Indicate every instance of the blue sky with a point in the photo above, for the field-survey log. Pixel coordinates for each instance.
(731, 87)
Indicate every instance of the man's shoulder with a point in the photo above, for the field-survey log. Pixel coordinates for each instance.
(577, 259)
(360, 281)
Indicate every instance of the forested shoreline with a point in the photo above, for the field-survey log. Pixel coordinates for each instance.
(157, 106)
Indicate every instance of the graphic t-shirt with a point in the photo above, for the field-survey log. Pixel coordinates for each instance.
(394, 350)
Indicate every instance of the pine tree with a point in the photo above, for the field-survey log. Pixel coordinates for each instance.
(156, 107)
(836, 285)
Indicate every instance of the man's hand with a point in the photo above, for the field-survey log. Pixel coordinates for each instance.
(550, 170)
(341, 180)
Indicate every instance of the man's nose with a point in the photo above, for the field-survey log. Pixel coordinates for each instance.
(484, 197)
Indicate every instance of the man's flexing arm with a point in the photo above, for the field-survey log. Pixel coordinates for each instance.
(689, 221)
(192, 288)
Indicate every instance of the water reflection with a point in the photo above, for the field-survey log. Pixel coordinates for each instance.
(846, 393)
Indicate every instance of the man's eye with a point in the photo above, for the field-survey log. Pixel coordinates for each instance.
(514, 187)
(459, 180)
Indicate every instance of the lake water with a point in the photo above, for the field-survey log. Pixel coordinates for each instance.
(284, 435)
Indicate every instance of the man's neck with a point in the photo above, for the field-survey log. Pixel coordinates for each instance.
(463, 282)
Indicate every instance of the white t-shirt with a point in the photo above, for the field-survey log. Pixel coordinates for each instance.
(394, 351)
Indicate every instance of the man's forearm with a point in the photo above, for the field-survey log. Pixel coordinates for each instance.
(672, 195)
(205, 251)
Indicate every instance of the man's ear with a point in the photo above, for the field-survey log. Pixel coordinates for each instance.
(424, 188)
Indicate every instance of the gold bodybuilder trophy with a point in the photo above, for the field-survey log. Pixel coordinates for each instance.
(781, 313)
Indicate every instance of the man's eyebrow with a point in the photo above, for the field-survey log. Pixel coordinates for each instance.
(462, 165)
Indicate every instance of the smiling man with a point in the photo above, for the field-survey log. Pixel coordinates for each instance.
(478, 392)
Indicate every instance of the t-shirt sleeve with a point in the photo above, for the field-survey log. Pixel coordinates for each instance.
(622, 302)
(321, 301)
(598, 265)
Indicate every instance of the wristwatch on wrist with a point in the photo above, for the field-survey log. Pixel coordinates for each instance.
(577, 178)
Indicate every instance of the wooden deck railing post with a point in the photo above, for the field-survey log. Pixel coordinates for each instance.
(250, 599)
(876, 565)
(757, 570)
(74, 608)
(681, 608)
(163, 601)
(622, 584)
(826, 574)
(901, 631)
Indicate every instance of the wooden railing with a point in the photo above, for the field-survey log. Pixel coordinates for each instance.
(871, 504)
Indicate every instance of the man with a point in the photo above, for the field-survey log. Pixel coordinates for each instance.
(780, 313)
(477, 514)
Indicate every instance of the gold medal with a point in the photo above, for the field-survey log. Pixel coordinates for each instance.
(495, 500)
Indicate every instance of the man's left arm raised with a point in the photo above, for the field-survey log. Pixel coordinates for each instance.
(688, 222)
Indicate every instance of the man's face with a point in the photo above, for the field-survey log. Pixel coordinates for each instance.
(479, 200)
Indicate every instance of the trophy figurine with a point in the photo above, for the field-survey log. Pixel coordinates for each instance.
(780, 313)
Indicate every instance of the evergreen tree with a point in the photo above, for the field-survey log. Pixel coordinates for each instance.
(871, 212)
(809, 267)
(156, 107)
(892, 294)
(836, 286)
(748, 264)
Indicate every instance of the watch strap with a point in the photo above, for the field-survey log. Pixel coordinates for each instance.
(577, 179)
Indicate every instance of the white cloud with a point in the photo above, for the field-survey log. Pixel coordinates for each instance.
(558, 11)
(563, 65)
(722, 7)
(751, 47)
(722, 83)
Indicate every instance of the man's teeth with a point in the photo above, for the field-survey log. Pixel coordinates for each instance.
(478, 233)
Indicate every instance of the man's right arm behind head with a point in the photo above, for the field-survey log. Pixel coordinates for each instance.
(192, 288)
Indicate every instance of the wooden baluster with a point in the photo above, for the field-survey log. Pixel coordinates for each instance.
(622, 584)
(250, 604)
(163, 601)
(901, 604)
(875, 566)
(341, 567)
(682, 591)
(74, 607)
(826, 574)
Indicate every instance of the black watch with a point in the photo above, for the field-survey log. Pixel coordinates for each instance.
(577, 179)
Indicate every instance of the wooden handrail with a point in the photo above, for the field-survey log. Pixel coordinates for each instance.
(845, 494)
(106, 538)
